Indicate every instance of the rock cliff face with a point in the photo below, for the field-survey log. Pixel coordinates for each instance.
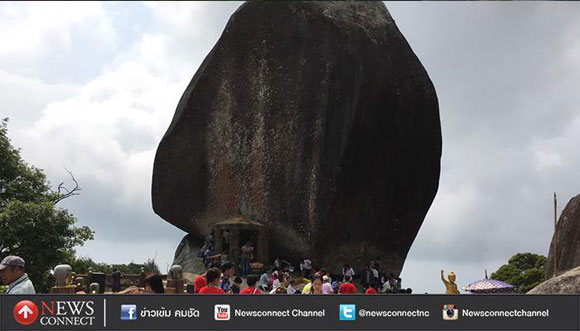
(186, 256)
(567, 283)
(314, 118)
(568, 239)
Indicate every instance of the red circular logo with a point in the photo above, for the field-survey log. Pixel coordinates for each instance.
(25, 312)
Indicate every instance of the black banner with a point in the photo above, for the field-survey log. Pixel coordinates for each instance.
(288, 312)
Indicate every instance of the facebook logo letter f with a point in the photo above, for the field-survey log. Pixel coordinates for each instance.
(128, 312)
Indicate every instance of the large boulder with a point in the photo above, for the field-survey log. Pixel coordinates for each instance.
(186, 256)
(568, 245)
(315, 119)
(567, 283)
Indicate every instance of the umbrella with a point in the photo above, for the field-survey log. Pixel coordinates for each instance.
(490, 286)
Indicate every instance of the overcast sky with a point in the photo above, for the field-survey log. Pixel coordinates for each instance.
(93, 87)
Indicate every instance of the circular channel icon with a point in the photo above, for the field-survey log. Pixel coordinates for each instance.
(25, 312)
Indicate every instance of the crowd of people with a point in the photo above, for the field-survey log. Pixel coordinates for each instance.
(281, 279)
(222, 279)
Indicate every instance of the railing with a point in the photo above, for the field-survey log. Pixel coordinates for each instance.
(127, 280)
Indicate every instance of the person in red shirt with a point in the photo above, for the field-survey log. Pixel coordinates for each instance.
(199, 282)
(347, 287)
(251, 289)
(371, 290)
(213, 280)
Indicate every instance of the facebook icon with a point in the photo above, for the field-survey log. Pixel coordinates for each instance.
(347, 312)
(128, 312)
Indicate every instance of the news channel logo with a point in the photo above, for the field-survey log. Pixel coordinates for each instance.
(347, 312)
(25, 312)
(450, 312)
(128, 312)
(221, 312)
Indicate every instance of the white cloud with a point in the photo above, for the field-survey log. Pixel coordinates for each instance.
(106, 130)
(23, 98)
(90, 130)
(106, 135)
(182, 17)
(546, 159)
(560, 153)
(47, 26)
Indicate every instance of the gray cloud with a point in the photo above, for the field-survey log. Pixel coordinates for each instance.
(503, 74)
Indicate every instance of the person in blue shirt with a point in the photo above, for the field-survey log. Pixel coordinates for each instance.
(228, 271)
(237, 285)
(264, 281)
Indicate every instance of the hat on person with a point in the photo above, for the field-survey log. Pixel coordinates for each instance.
(12, 261)
(325, 278)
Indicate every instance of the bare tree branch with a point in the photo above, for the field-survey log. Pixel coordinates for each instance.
(63, 192)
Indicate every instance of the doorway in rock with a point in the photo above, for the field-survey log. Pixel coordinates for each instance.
(225, 241)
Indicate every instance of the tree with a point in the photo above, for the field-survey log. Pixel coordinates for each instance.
(31, 225)
(82, 265)
(525, 270)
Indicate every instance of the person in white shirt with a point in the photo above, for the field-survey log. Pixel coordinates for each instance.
(326, 285)
(347, 271)
(306, 268)
(291, 289)
(276, 282)
(13, 275)
(376, 278)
